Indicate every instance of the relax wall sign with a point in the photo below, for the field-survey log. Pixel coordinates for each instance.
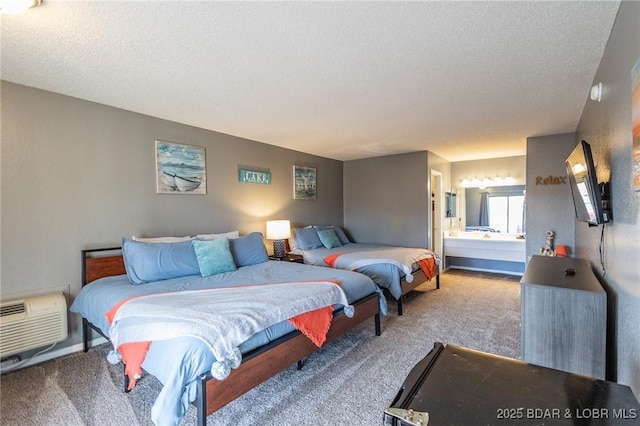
(551, 180)
(254, 176)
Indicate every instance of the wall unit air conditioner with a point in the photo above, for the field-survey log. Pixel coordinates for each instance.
(32, 322)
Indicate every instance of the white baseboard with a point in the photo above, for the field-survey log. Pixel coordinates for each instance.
(53, 354)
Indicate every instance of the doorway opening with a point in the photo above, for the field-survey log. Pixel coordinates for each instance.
(437, 212)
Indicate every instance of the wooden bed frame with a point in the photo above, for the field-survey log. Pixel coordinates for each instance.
(258, 365)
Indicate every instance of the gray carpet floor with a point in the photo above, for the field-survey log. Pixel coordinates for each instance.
(348, 381)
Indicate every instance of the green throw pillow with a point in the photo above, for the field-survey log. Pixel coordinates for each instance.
(214, 256)
(329, 238)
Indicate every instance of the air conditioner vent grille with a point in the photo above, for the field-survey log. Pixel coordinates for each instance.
(12, 309)
(32, 323)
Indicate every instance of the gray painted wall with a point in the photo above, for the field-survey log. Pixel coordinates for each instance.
(387, 199)
(606, 126)
(549, 207)
(76, 175)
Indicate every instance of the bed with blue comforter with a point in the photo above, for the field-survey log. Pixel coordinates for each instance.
(396, 269)
(183, 364)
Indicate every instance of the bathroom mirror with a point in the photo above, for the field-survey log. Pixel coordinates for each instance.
(496, 209)
(450, 204)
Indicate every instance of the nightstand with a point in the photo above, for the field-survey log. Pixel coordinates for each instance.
(297, 258)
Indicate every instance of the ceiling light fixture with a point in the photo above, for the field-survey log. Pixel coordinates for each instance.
(596, 92)
(18, 6)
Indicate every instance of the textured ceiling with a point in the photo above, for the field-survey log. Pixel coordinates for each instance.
(343, 80)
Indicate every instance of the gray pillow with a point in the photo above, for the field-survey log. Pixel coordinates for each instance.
(248, 250)
(146, 262)
(308, 238)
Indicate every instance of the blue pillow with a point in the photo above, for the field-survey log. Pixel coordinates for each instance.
(329, 238)
(146, 262)
(214, 256)
(308, 238)
(339, 232)
(248, 250)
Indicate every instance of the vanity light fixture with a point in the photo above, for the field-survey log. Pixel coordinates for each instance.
(18, 6)
(486, 182)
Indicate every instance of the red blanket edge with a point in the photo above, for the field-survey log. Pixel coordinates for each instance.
(428, 266)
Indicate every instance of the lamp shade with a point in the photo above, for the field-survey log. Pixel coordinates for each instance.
(278, 229)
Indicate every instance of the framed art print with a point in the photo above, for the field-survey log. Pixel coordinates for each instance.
(635, 124)
(304, 183)
(180, 169)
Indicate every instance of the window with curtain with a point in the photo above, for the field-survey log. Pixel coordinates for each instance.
(506, 212)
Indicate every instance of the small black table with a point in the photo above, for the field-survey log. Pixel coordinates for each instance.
(289, 257)
(454, 385)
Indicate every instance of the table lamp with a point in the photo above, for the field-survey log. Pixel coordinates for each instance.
(278, 231)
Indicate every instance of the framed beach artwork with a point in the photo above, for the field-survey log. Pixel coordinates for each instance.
(635, 124)
(304, 183)
(180, 169)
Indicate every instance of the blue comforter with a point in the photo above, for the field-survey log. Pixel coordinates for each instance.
(178, 362)
(386, 275)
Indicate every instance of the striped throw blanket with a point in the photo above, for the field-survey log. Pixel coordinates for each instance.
(223, 318)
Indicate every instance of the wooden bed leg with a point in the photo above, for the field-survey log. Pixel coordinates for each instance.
(400, 306)
(300, 364)
(438, 282)
(201, 401)
(376, 321)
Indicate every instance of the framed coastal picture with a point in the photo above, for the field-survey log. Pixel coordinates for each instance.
(635, 124)
(180, 169)
(304, 183)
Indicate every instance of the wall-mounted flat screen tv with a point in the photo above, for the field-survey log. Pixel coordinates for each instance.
(584, 186)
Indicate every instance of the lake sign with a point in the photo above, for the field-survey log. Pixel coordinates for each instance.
(253, 176)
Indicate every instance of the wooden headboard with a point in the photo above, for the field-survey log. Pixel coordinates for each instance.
(95, 266)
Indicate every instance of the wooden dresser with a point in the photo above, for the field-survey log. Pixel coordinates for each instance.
(563, 315)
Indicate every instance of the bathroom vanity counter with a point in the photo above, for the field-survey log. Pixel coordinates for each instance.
(485, 251)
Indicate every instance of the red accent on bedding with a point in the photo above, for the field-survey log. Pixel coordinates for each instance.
(331, 259)
(313, 324)
(428, 266)
(133, 354)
